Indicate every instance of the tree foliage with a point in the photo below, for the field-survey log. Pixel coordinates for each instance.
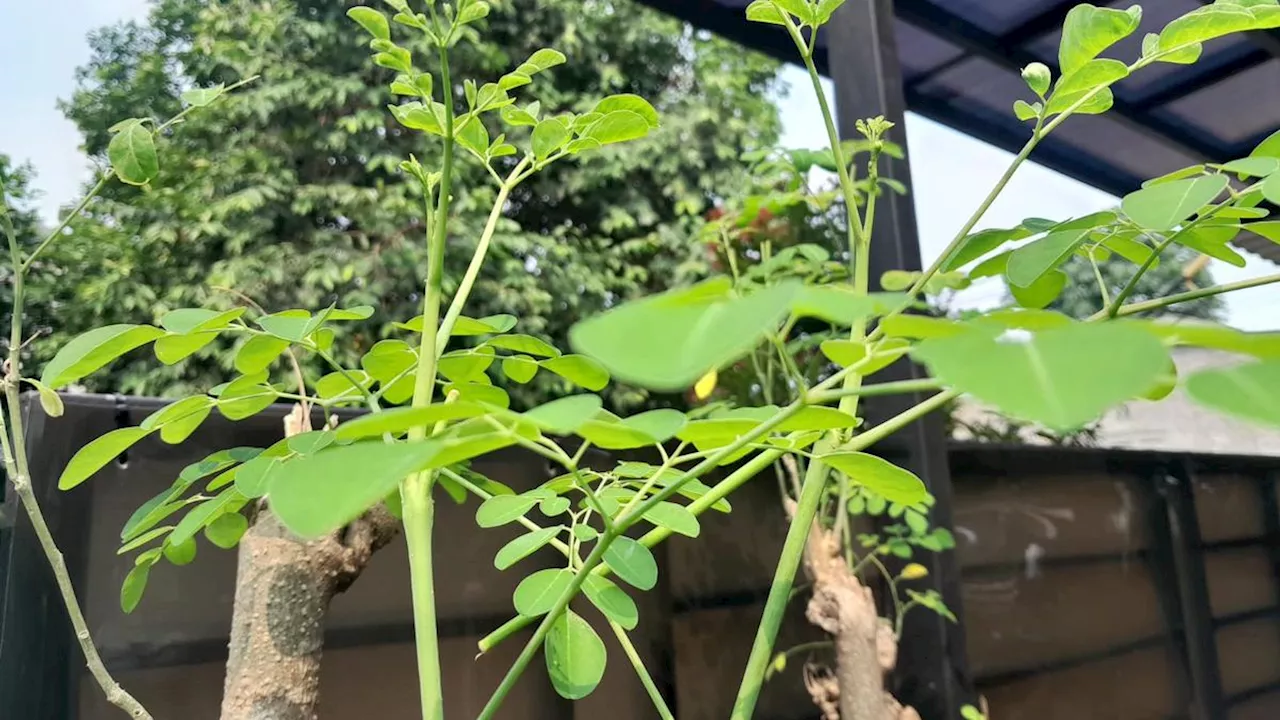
(293, 193)
(15, 186)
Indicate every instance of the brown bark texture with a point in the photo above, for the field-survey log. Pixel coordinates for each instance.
(283, 588)
(865, 646)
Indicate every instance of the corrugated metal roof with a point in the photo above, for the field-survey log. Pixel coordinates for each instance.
(961, 61)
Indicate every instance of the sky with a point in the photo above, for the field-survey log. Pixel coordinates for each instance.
(951, 172)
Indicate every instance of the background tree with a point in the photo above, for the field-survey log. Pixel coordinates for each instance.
(43, 294)
(292, 192)
(1081, 297)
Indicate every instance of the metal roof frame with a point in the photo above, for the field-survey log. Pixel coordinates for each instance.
(1141, 110)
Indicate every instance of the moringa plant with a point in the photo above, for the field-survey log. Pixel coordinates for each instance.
(432, 406)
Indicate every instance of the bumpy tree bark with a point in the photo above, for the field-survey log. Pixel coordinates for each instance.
(283, 588)
(865, 646)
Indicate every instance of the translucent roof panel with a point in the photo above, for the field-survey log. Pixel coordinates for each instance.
(960, 63)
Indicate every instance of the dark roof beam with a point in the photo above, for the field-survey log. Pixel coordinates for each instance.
(1205, 77)
(1045, 21)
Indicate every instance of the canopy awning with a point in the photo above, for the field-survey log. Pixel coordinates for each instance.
(961, 63)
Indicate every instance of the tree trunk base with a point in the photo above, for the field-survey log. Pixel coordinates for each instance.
(283, 588)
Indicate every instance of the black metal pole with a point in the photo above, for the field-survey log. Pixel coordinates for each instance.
(862, 57)
(1193, 592)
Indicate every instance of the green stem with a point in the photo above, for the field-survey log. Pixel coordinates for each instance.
(878, 389)
(14, 451)
(419, 512)
(477, 259)
(659, 703)
(485, 495)
(960, 237)
(1114, 306)
(1102, 284)
(833, 135)
(1148, 305)
(621, 525)
(721, 490)
(57, 232)
(718, 492)
(415, 493)
(780, 591)
(892, 582)
(793, 548)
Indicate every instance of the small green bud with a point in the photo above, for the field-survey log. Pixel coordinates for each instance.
(1038, 77)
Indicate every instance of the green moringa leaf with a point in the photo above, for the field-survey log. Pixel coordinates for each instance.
(675, 518)
(549, 136)
(1089, 30)
(880, 476)
(226, 530)
(502, 509)
(134, 585)
(610, 599)
(1029, 263)
(537, 594)
(491, 325)
(178, 420)
(181, 553)
(320, 493)
(659, 425)
(184, 321)
(1209, 22)
(1062, 377)
(254, 477)
(1252, 166)
(617, 126)
(399, 420)
(764, 11)
(519, 368)
(93, 457)
(576, 656)
(1042, 292)
(171, 349)
(841, 306)
(258, 353)
(372, 21)
(629, 103)
(203, 97)
(132, 152)
(565, 415)
(88, 352)
(697, 334)
(579, 370)
(632, 562)
(228, 500)
(526, 344)
(50, 401)
(1163, 207)
(1269, 147)
(1095, 74)
(1250, 392)
(981, 243)
(523, 546)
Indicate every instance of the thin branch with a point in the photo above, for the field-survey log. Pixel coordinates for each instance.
(1148, 305)
(659, 703)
